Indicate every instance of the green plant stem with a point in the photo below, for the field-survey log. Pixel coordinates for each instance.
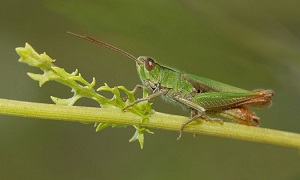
(157, 120)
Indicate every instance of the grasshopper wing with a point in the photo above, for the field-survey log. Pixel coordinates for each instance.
(208, 85)
(226, 100)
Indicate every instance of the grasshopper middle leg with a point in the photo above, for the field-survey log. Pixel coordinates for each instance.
(197, 112)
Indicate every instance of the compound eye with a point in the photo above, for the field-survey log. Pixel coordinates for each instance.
(150, 64)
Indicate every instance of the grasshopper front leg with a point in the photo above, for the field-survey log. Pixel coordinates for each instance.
(150, 97)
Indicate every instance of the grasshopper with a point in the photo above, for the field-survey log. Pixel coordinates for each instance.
(206, 98)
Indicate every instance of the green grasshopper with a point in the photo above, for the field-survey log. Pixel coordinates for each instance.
(206, 98)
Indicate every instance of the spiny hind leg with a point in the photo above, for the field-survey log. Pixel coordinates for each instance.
(241, 115)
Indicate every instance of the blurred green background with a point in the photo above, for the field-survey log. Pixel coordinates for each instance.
(249, 44)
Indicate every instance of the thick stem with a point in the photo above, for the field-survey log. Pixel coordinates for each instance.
(157, 120)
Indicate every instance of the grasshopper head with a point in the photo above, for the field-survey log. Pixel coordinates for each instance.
(148, 70)
(147, 62)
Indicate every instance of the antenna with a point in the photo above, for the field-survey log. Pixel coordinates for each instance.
(105, 45)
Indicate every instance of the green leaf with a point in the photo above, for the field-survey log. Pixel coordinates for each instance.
(83, 89)
(139, 135)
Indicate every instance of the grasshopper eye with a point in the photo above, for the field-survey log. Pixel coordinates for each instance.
(149, 63)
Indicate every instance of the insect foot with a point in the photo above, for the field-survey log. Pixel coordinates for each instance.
(204, 117)
(186, 123)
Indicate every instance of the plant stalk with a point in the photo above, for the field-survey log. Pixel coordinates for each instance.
(157, 120)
